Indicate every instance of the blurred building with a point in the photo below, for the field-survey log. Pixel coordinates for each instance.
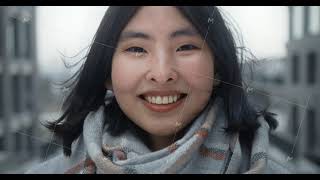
(303, 78)
(18, 77)
(291, 86)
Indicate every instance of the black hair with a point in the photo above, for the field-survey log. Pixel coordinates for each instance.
(88, 83)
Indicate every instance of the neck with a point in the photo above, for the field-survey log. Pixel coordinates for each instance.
(160, 142)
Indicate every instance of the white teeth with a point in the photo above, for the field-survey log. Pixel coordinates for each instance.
(153, 100)
(175, 98)
(158, 100)
(163, 99)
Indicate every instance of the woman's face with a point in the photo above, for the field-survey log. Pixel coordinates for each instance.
(162, 71)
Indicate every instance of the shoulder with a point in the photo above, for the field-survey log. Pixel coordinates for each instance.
(54, 165)
(60, 163)
(276, 167)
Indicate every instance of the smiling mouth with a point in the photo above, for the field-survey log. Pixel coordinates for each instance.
(163, 100)
(163, 103)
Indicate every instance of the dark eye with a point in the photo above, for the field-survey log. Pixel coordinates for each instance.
(136, 50)
(187, 47)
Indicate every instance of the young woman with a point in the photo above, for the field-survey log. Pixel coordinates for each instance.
(161, 92)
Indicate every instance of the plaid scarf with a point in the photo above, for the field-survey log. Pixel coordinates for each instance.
(205, 148)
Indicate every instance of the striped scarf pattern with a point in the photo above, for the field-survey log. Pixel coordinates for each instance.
(205, 148)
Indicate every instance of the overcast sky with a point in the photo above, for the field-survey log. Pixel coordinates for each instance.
(70, 29)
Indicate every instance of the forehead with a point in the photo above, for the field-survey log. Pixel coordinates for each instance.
(158, 18)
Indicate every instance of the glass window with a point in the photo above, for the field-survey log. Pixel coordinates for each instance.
(16, 94)
(30, 143)
(1, 96)
(28, 40)
(311, 71)
(24, 39)
(28, 90)
(297, 20)
(311, 129)
(18, 144)
(1, 35)
(11, 36)
(2, 143)
(25, 20)
(314, 20)
(295, 123)
(295, 69)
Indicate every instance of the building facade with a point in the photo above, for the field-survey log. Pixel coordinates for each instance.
(18, 77)
(303, 77)
(297, 98)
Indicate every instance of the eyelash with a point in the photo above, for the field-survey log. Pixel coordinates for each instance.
(186, 47)
(134, 50)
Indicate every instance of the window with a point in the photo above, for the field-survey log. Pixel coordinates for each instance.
(16, 94)
(18, 37)
(28, 90)
(12, 35)
(295, 122)
(295, 69)
(1, 96)
(30, 142)
(24, 40)
(17, 142)
(314, 20)
(28, 40)
(297, 20)
(25, 32)
(2, 148)
(18, 33)
(2, 51)
(311, 136)
(312, 66)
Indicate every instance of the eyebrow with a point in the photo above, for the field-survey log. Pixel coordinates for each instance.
(184, 32)
(135, 34)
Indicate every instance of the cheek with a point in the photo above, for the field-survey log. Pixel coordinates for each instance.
(198, 73)
(125, 75)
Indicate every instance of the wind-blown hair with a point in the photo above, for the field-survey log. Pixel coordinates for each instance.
(88, 83)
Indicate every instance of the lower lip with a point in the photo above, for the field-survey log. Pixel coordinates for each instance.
(163, 107)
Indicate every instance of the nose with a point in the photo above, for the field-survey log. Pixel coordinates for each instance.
(162, 71)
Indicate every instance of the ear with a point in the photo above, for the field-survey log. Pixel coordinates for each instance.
(108, 85)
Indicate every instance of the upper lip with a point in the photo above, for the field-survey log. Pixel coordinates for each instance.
(161, 93)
